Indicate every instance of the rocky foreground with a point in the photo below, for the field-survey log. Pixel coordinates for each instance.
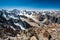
(29, 26)
(49, 32)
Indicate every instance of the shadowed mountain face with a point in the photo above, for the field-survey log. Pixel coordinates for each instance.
(13, 18)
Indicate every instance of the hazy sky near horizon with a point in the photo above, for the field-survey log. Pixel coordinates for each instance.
(33, 4)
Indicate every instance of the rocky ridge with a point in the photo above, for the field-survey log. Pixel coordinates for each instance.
(29, 25)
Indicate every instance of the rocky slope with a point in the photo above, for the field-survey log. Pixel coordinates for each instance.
(29, 25)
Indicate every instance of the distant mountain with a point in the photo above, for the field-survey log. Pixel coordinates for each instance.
(13, 17)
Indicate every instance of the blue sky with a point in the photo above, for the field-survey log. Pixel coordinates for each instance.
(30, 4)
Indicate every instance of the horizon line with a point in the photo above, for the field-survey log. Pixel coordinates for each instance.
(29, 8)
